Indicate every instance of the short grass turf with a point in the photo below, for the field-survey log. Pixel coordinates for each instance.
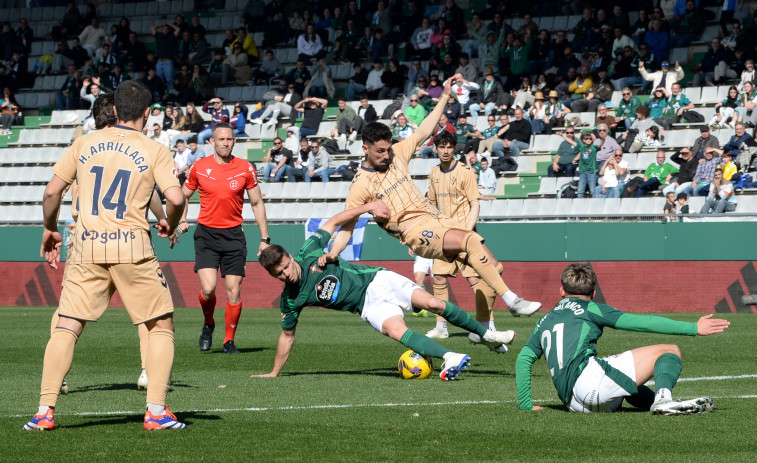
(341, 399)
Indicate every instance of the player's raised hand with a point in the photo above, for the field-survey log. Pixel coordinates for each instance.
(448, 84)
(708, 325)
(50, 249)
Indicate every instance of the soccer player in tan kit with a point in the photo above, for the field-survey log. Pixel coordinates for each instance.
(384, 175)
(116, 169)
(453, 189)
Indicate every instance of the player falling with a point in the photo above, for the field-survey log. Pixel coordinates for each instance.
(384, 176)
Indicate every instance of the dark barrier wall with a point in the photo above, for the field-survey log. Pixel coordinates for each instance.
(642, 267)
(635, 286)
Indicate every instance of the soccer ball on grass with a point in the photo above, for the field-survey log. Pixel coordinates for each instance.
(413, 365)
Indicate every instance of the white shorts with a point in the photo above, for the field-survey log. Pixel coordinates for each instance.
(387, 296)
(594, 391)
(423, 265)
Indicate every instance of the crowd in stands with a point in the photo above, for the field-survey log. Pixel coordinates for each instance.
(524, 81)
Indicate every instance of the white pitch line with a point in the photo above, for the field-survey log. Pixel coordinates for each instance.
(384, 405)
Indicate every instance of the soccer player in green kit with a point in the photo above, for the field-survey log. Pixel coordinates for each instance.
(379, 296)
(567, 337)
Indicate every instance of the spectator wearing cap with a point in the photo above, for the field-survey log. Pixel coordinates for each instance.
(490, 91)
(704, 141)
(564, 163)
(218, 114)
(664, 77)
(538, 115)
(157, 116)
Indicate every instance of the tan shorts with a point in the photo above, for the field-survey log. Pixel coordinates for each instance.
(88, 287)
(443, 267)
(425, 235)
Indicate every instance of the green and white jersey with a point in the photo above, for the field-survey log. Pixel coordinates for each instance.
(340, 285)
(567, 337)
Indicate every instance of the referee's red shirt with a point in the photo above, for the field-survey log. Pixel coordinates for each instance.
(222, 188)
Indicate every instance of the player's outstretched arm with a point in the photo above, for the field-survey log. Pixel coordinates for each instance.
(286, 341)
(258, 208)
(51, 239)
(426, 128)
(523, 364)
(708, 325)
(347, 219)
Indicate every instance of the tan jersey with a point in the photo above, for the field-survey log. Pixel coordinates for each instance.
(453, 191)
(116, 170)
(395, 187)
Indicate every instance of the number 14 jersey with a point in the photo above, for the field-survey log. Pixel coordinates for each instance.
(116, 169)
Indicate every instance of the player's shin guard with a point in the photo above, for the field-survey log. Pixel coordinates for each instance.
(482, 264)
(422, 344)
(231, 315)
(460, 318)
(643, 399)
(208, 308)
(143, 336)
(58, 357)
(441, 291)
(160, 352)
(485, 297)
(667, 369)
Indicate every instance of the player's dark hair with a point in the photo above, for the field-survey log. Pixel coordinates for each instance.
(191, 140)
(271, 256)
(222, 125)
(131, 100)
(445, 138)
(103, 111)
(578, 280)
(376, 131)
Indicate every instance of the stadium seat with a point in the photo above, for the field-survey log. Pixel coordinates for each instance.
(562, 207)
(513, 208)
(422, 185)
(547, 187)
(709, 95)
(317, 191)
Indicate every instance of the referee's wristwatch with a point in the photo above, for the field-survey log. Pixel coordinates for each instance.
(266, 240)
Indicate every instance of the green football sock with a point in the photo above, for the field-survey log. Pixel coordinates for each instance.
(422, 344)
(461, 319)
(667, 369)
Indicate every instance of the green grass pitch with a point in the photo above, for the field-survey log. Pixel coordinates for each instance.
(340, 398)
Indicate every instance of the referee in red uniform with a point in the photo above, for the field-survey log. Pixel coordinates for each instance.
(219, 238)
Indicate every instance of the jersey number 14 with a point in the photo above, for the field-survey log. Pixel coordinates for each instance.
(118, 187)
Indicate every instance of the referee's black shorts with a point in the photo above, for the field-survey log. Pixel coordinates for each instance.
(221, 247)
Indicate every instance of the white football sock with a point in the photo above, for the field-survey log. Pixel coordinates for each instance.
(156, 410)
(43, 409)
(441, 326)
(663, 394)
(509, 297)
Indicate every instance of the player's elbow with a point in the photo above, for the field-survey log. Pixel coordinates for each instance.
(174, 197)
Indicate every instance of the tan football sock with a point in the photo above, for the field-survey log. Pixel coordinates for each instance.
(485, 297)
(479, 259)
(160, 352)
(59, 354)
(143, 336)
(441, 291)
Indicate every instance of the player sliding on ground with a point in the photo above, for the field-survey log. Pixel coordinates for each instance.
(377, 295)
(567, 337)
(384, 175)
